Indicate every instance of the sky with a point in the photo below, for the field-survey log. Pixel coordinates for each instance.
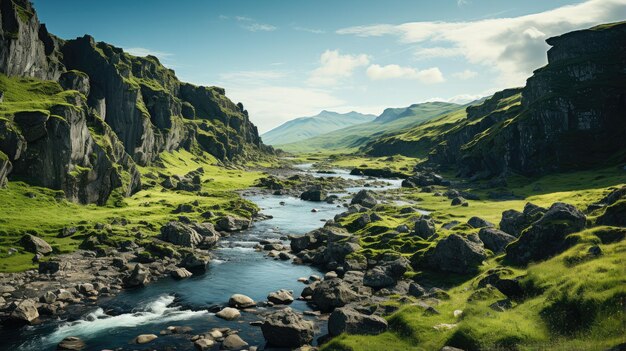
(285, 59)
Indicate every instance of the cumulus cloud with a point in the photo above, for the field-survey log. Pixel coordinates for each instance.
(512, 46)
(464, 75)
(138, 51)
(334, 67)
(429, 76)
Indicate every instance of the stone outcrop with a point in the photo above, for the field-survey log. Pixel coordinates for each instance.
(286, 328)
(457, 254)
(349, 321)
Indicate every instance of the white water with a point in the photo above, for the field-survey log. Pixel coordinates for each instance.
(98, 322)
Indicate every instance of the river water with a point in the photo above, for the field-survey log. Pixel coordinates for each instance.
(237, 268)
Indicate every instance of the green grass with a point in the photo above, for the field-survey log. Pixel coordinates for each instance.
(27, 94)
(40, 211)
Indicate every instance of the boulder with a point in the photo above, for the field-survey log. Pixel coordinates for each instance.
(280, 297)
(313, 194)
(416, 290)
(332, 293)
(49, 267)
(477, 222)
(180, 273)
(137, 277)
(456, 254)
(23, 311)
(365, 198)
(204, 344)
(180, 234)
(234, 342)
(359, 222)
(195, 262)
(377, 278)
(286, 328)
(614, 215)
(458, 201)
(494, 239)
(349, 321)
(546, 237)
(241, 301)
(232, 224)
(514, 222)
(228, 313)
(145, 338)
(71, 343)
(34, 244)
(48, 297)
(424, 228)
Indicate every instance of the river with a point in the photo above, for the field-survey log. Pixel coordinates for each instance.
(236, 268)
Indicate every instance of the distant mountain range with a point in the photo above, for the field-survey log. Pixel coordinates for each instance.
(307, 127)
(356, 136)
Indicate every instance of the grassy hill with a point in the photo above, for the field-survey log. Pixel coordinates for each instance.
(307, 127)
(352, 138)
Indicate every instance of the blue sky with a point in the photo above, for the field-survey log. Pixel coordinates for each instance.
(286, 59)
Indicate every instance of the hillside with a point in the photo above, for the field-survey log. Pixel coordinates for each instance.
(578, 96)
(80, 116)
(303, 128)
(351, 138)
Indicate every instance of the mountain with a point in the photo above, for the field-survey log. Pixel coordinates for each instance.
(568, 116)
(353, 137)
(80, 115)
(307, 127)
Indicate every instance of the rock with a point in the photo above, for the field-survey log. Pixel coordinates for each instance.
(477, 222)
(313, 194)
(138, 277)
(205, 344)
(494, 239)
(450, 348)
(180, 273)
(416, 290)
(145, 338)
(614, 215)
(23, 311)
(377, 278)
(458, 201)
(546, 237)
(348, 320)
(75, 80)
(424, 228)
(241, 301)
(34, 244)
(365, 198)
(232, 224)
(228, 313)
(233, 342)
(359, 223)
(49, 267)
(514, 222)
(195, 262)
(71, 343)
(286, 328)
(180, 234)
(48, 297)
(332, 293)
(456, 254)
(280, 297)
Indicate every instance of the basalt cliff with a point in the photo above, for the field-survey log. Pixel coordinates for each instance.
(570, 115)
(80, 115)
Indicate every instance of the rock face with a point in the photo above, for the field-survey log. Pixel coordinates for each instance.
(456, 254)
(347, 320)
(286, 328)
(546, 237)
(578, 96)
(114, 110)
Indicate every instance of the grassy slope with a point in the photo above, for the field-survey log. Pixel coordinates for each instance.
(564, 280)
(41, 211)
(351, 138)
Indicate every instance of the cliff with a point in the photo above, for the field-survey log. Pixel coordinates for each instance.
(570, 115)
(79, 115)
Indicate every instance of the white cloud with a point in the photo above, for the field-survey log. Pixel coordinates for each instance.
(464, 75)
(514, 47)
(437, 52)
(461, 3)
(309, 30)
(334, 67)
(459, 99)
(259, 27)
(429, 76)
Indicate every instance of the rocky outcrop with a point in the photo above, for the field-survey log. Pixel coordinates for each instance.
(349, 321)
(35, 245)
(494, 239)
(546, 237)
(286, 328)
(332, 293)
(110, 111)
